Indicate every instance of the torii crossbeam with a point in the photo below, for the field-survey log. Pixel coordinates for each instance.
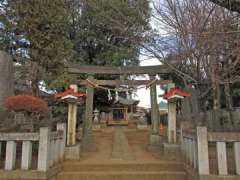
(123, 82)
(87, 69)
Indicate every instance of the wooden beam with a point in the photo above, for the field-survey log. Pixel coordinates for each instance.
(123, 82)
(86, 69)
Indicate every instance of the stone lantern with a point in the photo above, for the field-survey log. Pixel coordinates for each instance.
(96, 114)
(172, 96)
(72, 98)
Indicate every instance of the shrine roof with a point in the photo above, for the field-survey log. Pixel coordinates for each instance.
(69, 92)
(124, 101)
(175, 92)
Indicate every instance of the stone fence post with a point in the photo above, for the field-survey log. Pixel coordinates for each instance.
(44, 149)
(62, 127)
(202, 144)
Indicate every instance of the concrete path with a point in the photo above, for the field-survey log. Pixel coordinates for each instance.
(121, 149)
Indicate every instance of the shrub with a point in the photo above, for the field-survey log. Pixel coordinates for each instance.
(26, 103)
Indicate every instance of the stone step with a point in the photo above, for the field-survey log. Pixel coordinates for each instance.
(123, 175)
(127, 167)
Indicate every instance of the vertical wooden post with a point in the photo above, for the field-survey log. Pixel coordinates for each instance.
(222, 158)
(172, 122)
(10, 155)
(26, 155)
(237, 156)
(202, 144)
(172, 115)
(69, 131)
(44, 149)
(72, 120)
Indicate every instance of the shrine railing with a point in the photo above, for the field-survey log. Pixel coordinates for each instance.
(189, 148)
(49, 146)
(213, 154)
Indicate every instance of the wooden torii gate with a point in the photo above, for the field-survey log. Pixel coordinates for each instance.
(152, 71)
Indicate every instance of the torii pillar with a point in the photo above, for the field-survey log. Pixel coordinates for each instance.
(88, 143)
(154, 137)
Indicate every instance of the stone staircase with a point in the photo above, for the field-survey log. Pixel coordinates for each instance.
(75, 170)
(122, 155)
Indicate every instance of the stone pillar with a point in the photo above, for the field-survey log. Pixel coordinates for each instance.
(222, 158)
(172, 128)
(26, 155)
(44, 149)
(202, 144)
(10, 155)
(62, 127)
(237, 156)
(88, 141)
(154, 137)
(72, 120)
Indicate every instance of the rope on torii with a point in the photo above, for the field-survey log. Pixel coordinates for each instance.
(95, 85)
(117, 90)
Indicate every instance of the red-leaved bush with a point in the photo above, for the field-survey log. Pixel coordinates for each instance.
(26, 103)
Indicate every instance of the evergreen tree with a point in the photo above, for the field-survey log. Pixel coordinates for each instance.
(47, 34)
(44, 26)
(109, 32)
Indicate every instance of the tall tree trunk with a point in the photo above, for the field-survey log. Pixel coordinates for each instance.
(215, 83)
(228, 97)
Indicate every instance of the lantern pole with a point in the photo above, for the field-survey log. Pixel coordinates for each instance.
(171, 118)
(72, 120)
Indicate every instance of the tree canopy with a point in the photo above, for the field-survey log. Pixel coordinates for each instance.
(45, 35)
